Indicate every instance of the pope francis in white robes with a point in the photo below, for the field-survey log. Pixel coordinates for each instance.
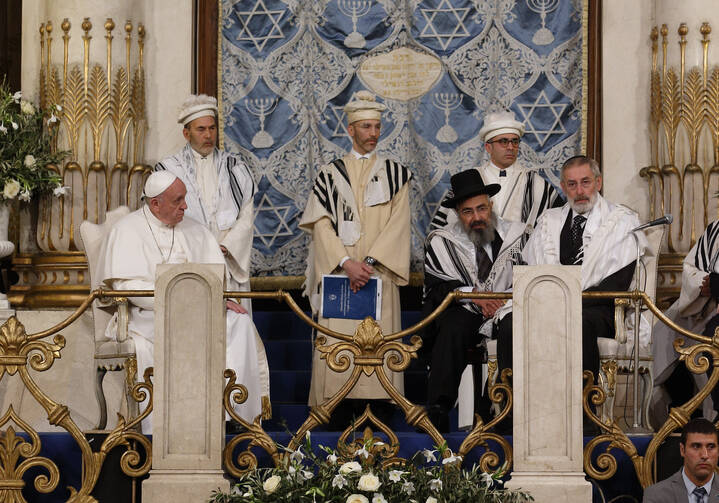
(156, 234)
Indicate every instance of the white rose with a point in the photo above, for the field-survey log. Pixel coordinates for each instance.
(378, 498)
(26, 107)
(356, 498)
(271, 484)
(11, 189)
(431, 499)
(350, 467)
(29, 161)
(368, 482)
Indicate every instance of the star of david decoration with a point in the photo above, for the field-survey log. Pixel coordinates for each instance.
(547, 112)
(445, 14)
(263, 19)
(339, 115)
(276, 220)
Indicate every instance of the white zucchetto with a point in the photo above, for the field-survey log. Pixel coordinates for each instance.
(197, 106)
(157, 183)
(363, 107)
(500, 123)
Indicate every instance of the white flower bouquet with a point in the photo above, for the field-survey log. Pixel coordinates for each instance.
(26, 148)
(428, 477)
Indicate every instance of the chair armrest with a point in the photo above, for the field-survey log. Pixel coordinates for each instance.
(122, 319)
(620, 331)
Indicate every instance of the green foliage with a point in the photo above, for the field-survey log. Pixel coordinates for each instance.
(428, 477)
(26, 148)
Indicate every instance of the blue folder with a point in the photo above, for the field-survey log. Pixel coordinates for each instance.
(339, 301)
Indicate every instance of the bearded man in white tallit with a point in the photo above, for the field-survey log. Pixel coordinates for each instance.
(158, 233)
(591, 232)
(696, 310)
(475, 254)
(358, 218)
(220, 188)
(523, 194)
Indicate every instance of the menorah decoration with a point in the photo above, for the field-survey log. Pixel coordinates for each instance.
(103, 122)
(543, 36)
(261, 107)
(446, 102)
(354, 9)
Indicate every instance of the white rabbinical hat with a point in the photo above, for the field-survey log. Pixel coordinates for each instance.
(500, 123)
(363, 107)
(196, 106)
(157, 183)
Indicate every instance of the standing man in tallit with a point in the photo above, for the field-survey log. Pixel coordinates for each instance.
(524, 194)
(219, 185)
(358, 218)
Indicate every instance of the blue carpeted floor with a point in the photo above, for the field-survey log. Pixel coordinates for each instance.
(287, 341)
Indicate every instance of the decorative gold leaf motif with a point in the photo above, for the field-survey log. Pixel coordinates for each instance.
(712, 110)
(385, 449)
(73, 109)
(670, 110)
(98, 107)
(120, 111)
(692, 110)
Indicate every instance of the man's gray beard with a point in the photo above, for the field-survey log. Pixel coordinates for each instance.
(481, 237)
(586, 207)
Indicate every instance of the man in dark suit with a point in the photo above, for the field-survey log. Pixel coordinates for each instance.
(695, 482)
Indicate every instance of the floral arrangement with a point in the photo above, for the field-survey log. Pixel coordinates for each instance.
(365, 479)
(26, 138)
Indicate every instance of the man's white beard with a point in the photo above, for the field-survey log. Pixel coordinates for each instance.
(481, 237)
(584, 206)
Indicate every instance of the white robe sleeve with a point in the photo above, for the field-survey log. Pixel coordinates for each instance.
(238, 241)
(136, 284)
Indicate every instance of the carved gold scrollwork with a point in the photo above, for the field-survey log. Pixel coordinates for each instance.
(489, 461)
(254, 434)
(378, 448)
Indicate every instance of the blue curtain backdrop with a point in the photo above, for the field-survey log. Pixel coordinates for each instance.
(288, 67)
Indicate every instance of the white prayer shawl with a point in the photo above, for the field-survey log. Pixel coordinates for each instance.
(608, 244)
(229, 215)
(690, 311)
(450, 255)
(128, 258)
(332, 197)
(523, 197)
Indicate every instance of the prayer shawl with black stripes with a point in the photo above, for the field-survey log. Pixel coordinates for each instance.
(524, 197)
(450, 261)
(232, 219)
(691, 311)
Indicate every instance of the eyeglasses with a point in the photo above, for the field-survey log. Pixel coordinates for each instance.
(585, 183)
(506, 141)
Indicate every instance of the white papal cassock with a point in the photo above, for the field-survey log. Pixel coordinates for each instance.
(127, 261)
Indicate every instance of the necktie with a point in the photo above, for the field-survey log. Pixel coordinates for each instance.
(502, 172)
(575, 234)
(699, 493)
(484, 265)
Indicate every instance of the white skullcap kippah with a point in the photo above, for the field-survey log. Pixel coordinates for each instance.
(197, 106)
(500, 123)
(363, 107)
(157, 183)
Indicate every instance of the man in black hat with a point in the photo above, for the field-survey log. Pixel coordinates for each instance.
(475, 253)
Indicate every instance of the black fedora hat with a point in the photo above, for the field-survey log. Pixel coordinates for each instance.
(466, 184)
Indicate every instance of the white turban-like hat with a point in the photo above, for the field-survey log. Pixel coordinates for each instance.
(500, 123)
(197, 106)
(157, 183)
(363, 107)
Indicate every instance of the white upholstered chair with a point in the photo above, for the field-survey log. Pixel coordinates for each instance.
(110, 354)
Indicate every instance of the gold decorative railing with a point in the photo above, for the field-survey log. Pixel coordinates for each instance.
(368, 349)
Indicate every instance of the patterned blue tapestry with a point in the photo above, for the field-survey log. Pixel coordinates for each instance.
(288, 67)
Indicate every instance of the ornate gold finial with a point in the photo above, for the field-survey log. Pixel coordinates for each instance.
(141, 30)
(683, 30)
(128, 27)
(705, 30)
(48, 27)
(65, 25)
(664, 31)
(654, 35)
(86, 25)
(109, 24)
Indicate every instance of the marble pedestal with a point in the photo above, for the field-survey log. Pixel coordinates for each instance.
(547, 383)
(189, 360)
